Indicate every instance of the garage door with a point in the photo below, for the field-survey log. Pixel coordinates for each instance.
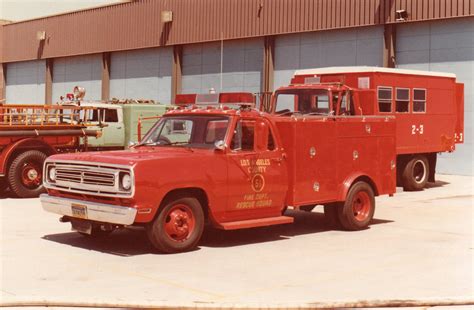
(85, 71)
(25, 82)
(445, 46)
(350, 47)
(242, 63)
(142, 74)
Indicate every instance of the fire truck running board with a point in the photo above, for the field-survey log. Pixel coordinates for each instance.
(257, 222)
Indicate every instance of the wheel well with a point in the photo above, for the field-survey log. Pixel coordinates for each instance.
(367, 180)
(195, 192)
(28, 146)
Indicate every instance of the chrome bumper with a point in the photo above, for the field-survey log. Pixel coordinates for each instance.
(94, 211)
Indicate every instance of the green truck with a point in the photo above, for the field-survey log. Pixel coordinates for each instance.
(119, 122)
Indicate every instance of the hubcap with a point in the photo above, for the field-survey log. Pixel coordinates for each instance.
(419, 171)
(179, 223)
(31, 175)
(361, 205)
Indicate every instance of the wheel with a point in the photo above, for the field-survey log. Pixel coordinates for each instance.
(415, 174)
(331, 214)
(178, 226)
(25, 174)
(358, 209)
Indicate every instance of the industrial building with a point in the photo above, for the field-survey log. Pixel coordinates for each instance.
(155, 49)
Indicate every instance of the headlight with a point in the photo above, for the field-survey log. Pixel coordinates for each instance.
(52, 174)
(126, 181)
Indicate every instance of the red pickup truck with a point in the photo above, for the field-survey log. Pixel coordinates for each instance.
(221, 161)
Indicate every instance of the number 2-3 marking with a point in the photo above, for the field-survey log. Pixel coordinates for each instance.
(414, 129)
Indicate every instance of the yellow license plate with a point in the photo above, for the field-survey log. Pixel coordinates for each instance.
(79, 211)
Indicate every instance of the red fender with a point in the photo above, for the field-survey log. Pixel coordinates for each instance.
(27, 143)
(346, 185)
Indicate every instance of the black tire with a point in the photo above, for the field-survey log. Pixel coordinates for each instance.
(178, 227)
(25, 175)
(331, 214)
(358, 210)
(415, 173)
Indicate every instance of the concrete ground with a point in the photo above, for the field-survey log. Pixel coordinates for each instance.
(419, 249)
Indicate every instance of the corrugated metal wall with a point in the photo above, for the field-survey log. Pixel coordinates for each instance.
(446, 46)
(25, 82)
(344, 47)
(82, 71)
(242, 64)
(138, 24)
(142, 74)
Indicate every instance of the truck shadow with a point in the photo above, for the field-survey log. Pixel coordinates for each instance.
(304, 223)
(132, 242)
(438, 183)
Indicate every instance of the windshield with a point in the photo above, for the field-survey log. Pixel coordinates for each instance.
(303, 101)
(191, 131)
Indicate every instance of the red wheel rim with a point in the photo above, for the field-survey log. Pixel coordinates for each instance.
(179, 223)
(31, 175)
(361, 206)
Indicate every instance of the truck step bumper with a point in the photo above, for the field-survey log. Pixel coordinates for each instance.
(88, 210)
(268, 221)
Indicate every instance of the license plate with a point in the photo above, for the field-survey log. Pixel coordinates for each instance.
(79, 211)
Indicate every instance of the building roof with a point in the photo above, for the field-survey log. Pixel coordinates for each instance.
(361, 69)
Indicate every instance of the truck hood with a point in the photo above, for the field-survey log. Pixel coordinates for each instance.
(132, 156)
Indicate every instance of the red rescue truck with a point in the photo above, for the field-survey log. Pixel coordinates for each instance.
(428, 107)
(30, 133)
(221, 161)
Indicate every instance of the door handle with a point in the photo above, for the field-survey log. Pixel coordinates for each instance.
(119, 127)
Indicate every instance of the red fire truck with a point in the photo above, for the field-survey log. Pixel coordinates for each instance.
(428, 107)
(30, 133)
(221, 161)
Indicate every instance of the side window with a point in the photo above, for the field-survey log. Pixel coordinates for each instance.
(285, 103)
(244, 136)
(419, 100)
(384, 96)
(402, 100)
(216, 130)
(111, 116)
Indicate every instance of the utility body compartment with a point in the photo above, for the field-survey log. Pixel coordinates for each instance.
(327, 153)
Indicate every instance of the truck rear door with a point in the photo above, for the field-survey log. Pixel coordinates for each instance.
(257, 172)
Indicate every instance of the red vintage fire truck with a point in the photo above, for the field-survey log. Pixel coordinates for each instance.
(428, 107)
(219, 160)
(30, 133)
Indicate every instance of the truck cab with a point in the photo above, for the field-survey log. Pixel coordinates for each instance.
(217, 159)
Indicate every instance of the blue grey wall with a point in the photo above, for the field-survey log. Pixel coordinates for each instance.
(445, 46)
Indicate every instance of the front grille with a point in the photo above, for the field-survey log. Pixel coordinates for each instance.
(85, 177)
(88, 178)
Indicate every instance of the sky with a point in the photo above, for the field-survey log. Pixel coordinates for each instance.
(17, 10)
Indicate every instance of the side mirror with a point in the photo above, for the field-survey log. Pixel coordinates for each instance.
(220, 145)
